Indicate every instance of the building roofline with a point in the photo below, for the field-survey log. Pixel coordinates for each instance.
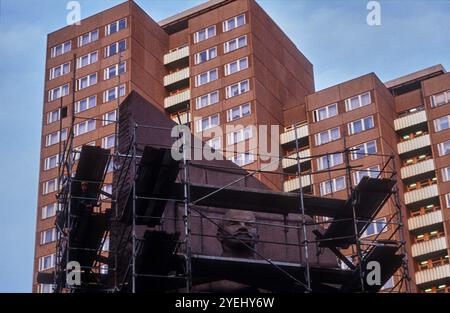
(415, 76)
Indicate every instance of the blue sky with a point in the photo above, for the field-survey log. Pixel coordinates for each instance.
(334, 36)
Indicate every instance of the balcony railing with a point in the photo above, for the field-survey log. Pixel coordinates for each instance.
(413, 144)
(432, 274)
(410, 120)
(303, 155)
(293, 184)
(183, 118)
(178, 98)
(176, 76)
(425, 220)
(417, 169)
(430, 246)
(289, 136)
(421, 194)
(176, 55)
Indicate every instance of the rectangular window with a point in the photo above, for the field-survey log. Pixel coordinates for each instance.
(59, 70)
(49, 210)
(235, 44)
(325, 112)
(447, 200)
(48, 236)
(58, 92)
(50, 186)
(329, 160)
(115, 26)
(444, 148)
(84, 127)
(205, 55)
(53, 116)
(87, 59)
(240, 135)
(237, 89)
(358, 101)
(51, 162)
(361, 125)
(114, 93)
(54, 138)
(114, 70)
(61, 49)
(243, 159)
(375, 228)
(88, 38)
(109, 118)
(372, 171)
(205, 33)
(440, 99)
(45, 288)
(47, 262)
(236, 66)
(239, 112)
(332, 185)
(105, 246)
(207, 122)
(85, 104)
(215, 143)
(206, 77)
(327, 136)
(115, 48)
(206, 100)
(233, 23)
(108, 142)
(442, 123)
(87, 81)
(446, 174)
(363, 150)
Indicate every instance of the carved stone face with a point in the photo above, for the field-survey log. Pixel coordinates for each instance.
(238, 225)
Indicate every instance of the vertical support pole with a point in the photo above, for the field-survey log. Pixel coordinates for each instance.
(133, 260)
(187, 217)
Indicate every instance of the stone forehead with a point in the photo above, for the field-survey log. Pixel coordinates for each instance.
(240, 215)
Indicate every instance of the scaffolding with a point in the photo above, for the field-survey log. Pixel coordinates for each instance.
(145, 184)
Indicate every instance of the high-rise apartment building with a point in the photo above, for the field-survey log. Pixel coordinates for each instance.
(226, 62)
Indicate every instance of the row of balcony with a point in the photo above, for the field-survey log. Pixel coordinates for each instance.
(429, 247)
(437, 273)
(290, 161)
(294, 184)
(426, 220)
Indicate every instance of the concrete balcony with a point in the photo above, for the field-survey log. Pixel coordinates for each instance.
(410, 121)
(177, 101)
(417, 169)
(429, 247)
(412, 145)
(291, 162)
(176, 55)
(421, 194)
(288, 137)
(176, 79)
(293, 184)
(422, 221)
(437, 273)
(183, 118)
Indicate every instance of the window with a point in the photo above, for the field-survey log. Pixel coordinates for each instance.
(208, 99)
(85, 104)
(115, 48)
(114, 93)
(363, 150)
(51, 162)
(240, 135)
(239, 112)
(207, 122)
(60, 70)
(332, 185)
(114, 70)
(234, 22)
(58, 92)
(361, 125)
(105, 246)
(235, 44)
(61, 49)
(373, 172)
(375, 227)
(77, 150)
(206, 77)
(440, 99)
(237, 89)
(84, 127)
(109, 118)
(327, 136)
(46, 262)
(205, 55)
(329, 160)
(50, 186)
(442, 123)
(236, 66)
(87, 38)
(358, 101)
(87, 59)
(107, 188)
(54, 138)
(45, 288)
(53, 116)
(444, 148)
(446, 174)
(389, 284)
(49, 210)
(447, 200)
(87, 81)
(110, 167)
(325, 112)
(48, 236)
(215, 143)
(108, 142)
(243, 159)
(115, 26)
(205, 33)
